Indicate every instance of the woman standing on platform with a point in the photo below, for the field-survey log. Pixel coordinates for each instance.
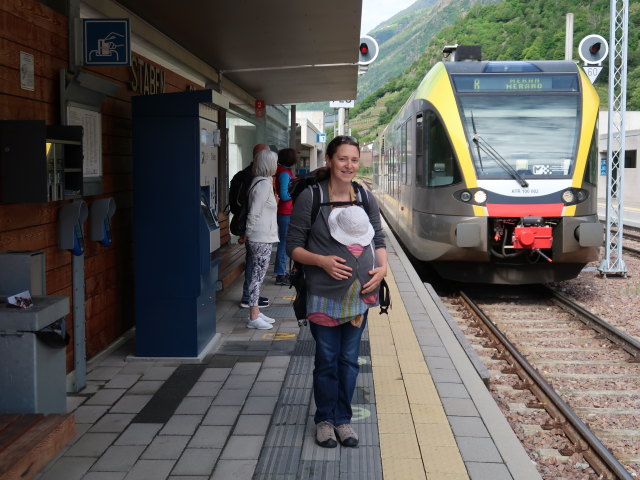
(342, 283)
(261, 231)
(287, 158)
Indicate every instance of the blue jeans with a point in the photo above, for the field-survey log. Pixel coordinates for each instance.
(281, 254)
(336, 370)
(248, 272)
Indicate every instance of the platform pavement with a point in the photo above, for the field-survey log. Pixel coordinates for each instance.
(246, 410)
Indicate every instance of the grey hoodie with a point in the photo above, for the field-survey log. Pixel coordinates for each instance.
(316, 238)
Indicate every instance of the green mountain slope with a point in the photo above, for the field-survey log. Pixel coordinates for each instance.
(403, 37)
(508, 30)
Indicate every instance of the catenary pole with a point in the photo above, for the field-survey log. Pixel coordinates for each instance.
(613, 263)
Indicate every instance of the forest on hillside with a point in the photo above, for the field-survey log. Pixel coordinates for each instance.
(508, 30)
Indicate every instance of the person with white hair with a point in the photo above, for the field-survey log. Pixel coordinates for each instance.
(261, 231)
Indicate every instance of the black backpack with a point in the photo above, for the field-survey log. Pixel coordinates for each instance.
(238, 189)
(238, 225)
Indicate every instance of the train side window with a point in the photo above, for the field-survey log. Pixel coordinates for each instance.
(442, 168)
(403, 153)
(591, 170)
(419, 149)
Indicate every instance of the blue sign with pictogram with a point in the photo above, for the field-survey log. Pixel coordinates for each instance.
(603, 167)
(107, 41)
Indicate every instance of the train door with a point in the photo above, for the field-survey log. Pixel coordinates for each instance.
(404, 177)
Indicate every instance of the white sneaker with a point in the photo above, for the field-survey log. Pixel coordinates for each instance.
(265, 318)
(259, 323)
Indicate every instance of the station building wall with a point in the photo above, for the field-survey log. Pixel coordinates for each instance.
(30, 26)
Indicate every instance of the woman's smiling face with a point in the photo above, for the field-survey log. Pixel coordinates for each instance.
(345, 163)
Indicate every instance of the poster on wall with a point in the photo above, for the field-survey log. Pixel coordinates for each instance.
(91, 123)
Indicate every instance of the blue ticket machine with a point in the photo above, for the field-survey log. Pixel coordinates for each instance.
(176, 143)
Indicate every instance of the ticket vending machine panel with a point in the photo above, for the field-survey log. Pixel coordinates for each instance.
(176, 233)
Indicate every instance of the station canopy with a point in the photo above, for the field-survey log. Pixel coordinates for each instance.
(279, 51)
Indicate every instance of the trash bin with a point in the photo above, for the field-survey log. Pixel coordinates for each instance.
(33, 366)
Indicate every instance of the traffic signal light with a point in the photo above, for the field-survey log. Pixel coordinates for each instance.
(368, 50)
(593, 49)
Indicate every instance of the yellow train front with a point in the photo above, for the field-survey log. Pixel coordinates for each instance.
(489, 171)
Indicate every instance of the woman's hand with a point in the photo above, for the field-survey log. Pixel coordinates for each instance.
(242, 239)
(335, 266)
(377, 274)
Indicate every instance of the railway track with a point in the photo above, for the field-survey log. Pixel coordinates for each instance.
(566, 378)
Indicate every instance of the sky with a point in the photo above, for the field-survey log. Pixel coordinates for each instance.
(375, 12)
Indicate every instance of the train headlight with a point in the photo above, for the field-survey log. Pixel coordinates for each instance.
(568, 196)
(480, 196)
(582, 195)
(465, 196)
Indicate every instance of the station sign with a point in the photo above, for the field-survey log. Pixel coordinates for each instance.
(321, 138)
(342, 104)
(106, 41)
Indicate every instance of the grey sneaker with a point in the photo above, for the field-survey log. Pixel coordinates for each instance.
(325, 436)
(348, 437)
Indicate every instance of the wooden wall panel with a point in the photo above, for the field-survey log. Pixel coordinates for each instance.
(29, 26)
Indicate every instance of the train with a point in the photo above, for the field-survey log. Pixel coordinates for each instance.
(489, 171)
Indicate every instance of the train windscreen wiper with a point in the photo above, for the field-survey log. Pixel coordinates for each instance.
(482, 144)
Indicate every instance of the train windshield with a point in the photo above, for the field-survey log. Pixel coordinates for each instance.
(535, 134)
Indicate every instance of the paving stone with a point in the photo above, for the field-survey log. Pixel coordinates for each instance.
(112, 423)
(243, 447)
(445, 375)
(483, 471)
(468, 427)
(461, 407)
(235, 381)
(197, 461)
(150, 470)
(103, 373)
(89, 414)
(233, 469)
(68, 468)
(281, 361)
(118, 459)
(181, 425)
(452, 390)
(194, 406)
(214, 375)
(91, 445)
(131, 404)
(146, 387)
(246, 368)
(205, 389)
(272, 374)
(104, 476)
(158, 373)
(122, 381)
(259, 405)
(475, 449)
(265, 389)
(222, 415)
(210, 436)
(252, 425)
(106, 396)
(231, 397)
(139, 434)
(166, 447)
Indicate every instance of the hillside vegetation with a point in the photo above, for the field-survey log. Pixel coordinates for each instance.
(508, 30)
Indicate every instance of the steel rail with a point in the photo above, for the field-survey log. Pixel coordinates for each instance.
(628, 343)
(587, 435)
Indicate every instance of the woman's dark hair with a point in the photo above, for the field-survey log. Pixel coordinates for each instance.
(341, 140)
(287, 157)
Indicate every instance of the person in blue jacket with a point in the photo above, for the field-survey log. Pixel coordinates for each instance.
(287, 158)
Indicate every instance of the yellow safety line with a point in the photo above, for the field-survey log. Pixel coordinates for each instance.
(416, 441)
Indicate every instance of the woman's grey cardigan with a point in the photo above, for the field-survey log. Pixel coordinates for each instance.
(316, 238)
